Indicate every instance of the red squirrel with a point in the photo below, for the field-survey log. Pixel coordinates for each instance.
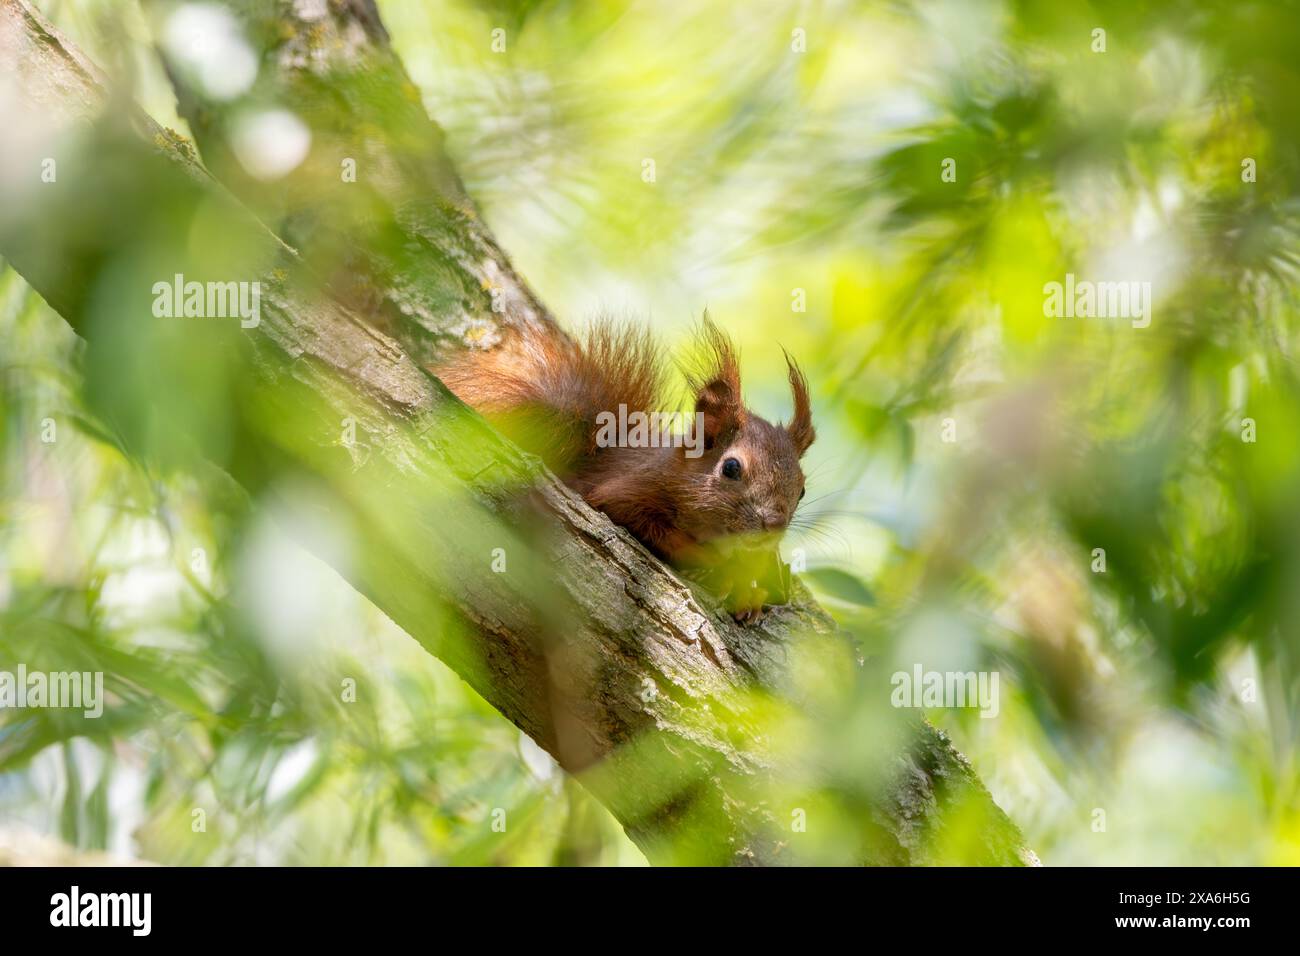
(709, 508)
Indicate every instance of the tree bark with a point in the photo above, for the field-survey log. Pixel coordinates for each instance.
(402, 243)
(631, 679)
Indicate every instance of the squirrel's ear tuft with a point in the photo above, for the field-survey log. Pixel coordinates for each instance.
(800, 429)
(715, 379)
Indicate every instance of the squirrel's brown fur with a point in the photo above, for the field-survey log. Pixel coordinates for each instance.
(545, 391)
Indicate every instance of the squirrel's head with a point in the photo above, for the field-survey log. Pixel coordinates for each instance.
(748, 481)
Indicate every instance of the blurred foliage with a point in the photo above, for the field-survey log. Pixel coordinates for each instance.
(1163, 690)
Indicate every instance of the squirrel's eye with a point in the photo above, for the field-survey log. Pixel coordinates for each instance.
(731, 468)
(802, 492)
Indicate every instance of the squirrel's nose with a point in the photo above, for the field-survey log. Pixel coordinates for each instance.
(774, 519)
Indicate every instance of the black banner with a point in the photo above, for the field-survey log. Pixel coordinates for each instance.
(334, 906)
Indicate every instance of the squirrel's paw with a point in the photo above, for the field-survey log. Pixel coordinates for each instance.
(750, 615)
(750, 584)
(748, 606)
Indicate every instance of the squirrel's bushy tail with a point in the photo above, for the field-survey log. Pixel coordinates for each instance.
(543, 390)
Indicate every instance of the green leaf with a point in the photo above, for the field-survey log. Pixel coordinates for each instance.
(834, 583)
